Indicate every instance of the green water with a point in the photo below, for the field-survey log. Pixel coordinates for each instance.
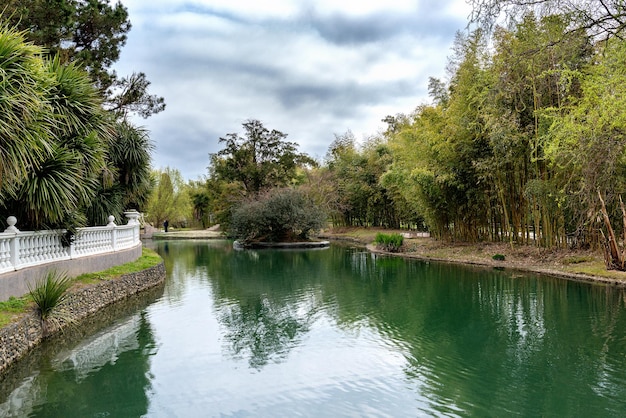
(334, 333)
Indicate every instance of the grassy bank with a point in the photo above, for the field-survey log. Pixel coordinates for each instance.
(14, 308)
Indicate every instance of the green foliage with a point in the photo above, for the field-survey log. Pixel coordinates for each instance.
(205, 202)
(49, 292)
(126, 182)
(362, 199)
(498, 257)
(13, 304)
(92, 34)
(22, 126)
(89, 31)
(260, 161)
(478, 163)
(170, 199)
(587, 144)
(276, 216)
(11, 308)
(65, 164)
(578, 259)
(389, 242)
(201, 204)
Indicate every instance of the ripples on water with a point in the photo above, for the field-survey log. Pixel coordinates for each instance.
(339, 333)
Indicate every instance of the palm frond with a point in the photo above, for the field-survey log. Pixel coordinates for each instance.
(24, 132)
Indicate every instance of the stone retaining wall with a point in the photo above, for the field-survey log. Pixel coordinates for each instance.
(17, 339)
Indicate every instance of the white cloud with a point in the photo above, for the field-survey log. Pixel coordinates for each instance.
(362, 7)
(310, 69)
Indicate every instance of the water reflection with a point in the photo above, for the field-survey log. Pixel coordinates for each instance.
(474, 341)
(261, 332)
(95, 369)
(342, 332)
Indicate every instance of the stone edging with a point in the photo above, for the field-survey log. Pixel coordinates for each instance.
(17, 339)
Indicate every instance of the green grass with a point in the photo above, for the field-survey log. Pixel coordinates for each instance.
(148, 259)
(596, 268)
(15, 307)
(578, 259)
(362, 234)
(12, 308)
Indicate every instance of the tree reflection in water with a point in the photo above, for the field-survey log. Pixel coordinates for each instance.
(256, 304)
(261, 331)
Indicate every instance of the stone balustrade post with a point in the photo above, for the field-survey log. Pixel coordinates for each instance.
(15, 241)
(113, 226)
(133, 219)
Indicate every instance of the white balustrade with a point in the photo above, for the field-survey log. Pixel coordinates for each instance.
(25, 249)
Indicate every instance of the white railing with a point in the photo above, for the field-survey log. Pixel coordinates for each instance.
(26, 249)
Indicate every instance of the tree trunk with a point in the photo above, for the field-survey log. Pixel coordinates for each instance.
(613, 258)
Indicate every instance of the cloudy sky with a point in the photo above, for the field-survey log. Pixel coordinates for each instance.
(308, 68)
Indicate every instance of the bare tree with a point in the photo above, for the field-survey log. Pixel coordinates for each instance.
(603, 19)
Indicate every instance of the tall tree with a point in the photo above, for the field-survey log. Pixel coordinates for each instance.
(170, 199)
(261, 160)
(528, 64)
(91, 33)
(587, 144)
(64, 163)
(126, 182)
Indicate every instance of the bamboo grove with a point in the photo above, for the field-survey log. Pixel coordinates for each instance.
(518, 144)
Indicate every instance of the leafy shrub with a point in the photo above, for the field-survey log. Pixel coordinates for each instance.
(389, 242)
(498, 257)
(275, 216)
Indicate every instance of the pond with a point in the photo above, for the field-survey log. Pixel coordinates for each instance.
(335, 332)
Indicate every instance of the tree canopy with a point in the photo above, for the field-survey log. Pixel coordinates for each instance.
(600, 18)
(92, 34)
(261, 160)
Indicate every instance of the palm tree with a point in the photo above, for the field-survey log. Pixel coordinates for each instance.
(63, 181)
(81, 125)
(24, 112)
(64, 160)
(127, 184)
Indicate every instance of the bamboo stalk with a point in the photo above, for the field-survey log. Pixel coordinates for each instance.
(615, 256)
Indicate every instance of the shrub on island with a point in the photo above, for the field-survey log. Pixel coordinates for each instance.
(278, 215)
